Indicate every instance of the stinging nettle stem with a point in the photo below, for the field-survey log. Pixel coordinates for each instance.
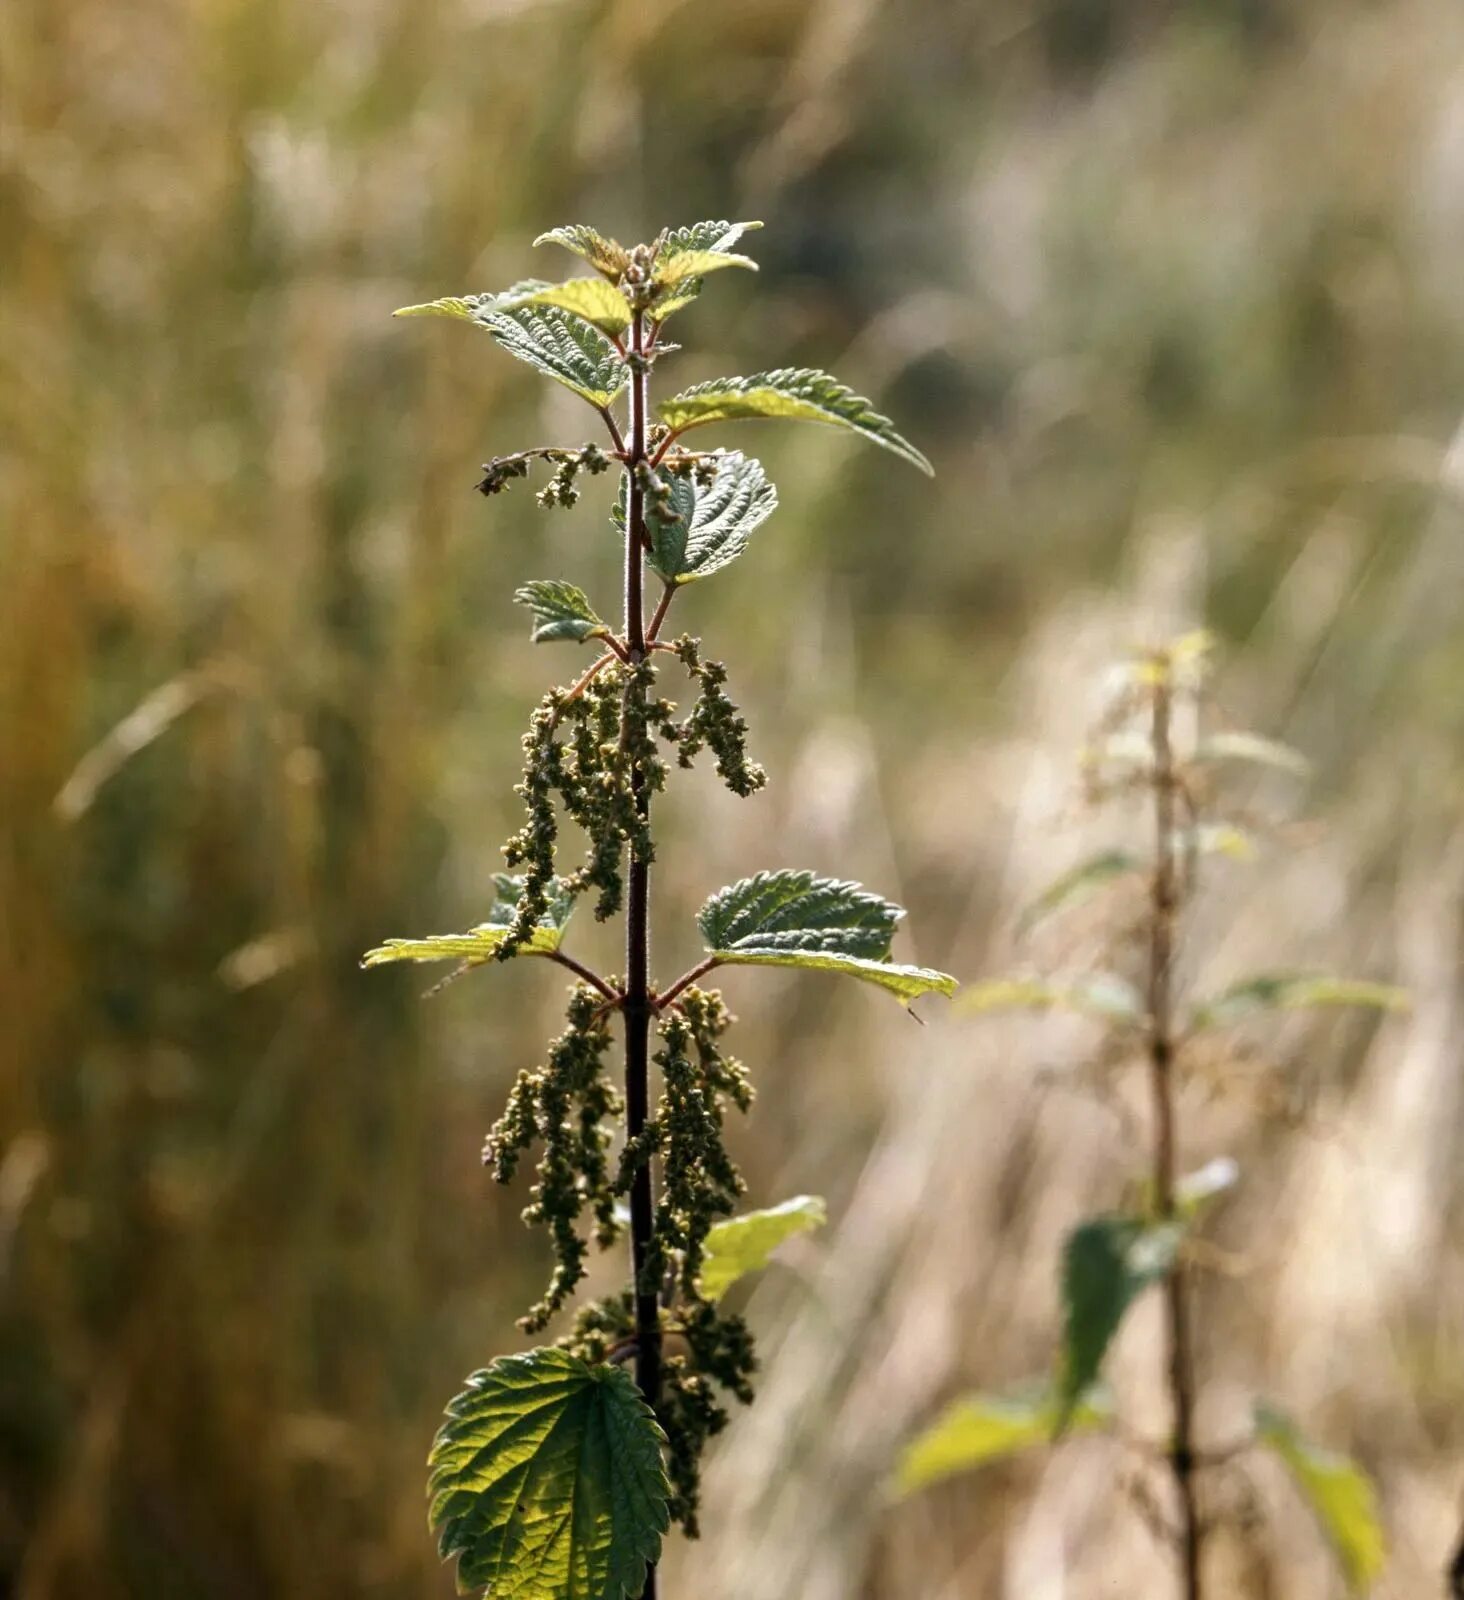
(1163, 912)
(637, 1005)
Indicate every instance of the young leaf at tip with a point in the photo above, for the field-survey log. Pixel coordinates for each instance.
(798, 393)
(745, 1243)
(562, 611)
(606, 256)
(478, 944)
(978, 1429)
(547, 1482)
(797, 919)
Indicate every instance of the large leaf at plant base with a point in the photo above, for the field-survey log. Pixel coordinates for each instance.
(1339, 1493)
(1101, 994)
(796, 919)
(981, 1428)
(478, 944)
(796, 392)
(701, 529)
(604, 255)
(1291, 991)
(561, 611)
(745, 1244)
(1107, 1264)
(546, 1481)
(553, 341)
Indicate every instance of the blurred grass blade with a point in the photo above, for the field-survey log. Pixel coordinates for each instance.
(1104, 994)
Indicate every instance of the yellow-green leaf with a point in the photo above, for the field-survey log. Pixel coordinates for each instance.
(1339, 1493)
(479, 944)
(675, 268)
(604, 255)
(745, 1244)
(1291, 991)
(1104, 994)
(981, 1428)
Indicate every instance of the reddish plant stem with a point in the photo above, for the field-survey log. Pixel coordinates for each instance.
(1163, 912)
(637, 1002)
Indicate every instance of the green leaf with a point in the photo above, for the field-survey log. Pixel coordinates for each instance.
(1194, 1192)
(1102, 995)
(604, 255)
(1107, 1264)
(796, 919)
(562, 611)
(546, 1481)
(980, 1428)
(795, 392)
(592, 300)
(1081, 883)
(1339, 1493)
(478, 944)
(1290, 991)
(675, 268)
(552, 340)
(701, 530)
(745, 1244)
(1252, 748)
(704, 236)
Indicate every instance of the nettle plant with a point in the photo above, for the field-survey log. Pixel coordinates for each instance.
(1155, 748)
(557, 1472)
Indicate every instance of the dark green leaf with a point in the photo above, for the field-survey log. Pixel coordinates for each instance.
(981, 1428)
(1339, 1494)
(562, 611)
(700, 530)
(796, 919)
(478, 944)
(795, 392)
(604, 255)
(745, 1244)
(1290, 991)
(1107, 1264)
(547, 1483)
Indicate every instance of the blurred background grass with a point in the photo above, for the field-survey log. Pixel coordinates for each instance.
(1170, 291)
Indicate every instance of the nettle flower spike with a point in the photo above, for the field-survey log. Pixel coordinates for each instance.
(560, 1469)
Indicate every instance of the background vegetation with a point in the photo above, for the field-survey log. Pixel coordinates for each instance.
(1171, 293)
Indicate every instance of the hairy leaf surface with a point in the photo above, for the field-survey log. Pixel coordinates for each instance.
(478, 944)
(981, 1428)
(1291, 991)
(604, 255)
(1107, 1264)
(745, 1244)
(797, 919)
(1339, 1493)
(675, 267)
(795, 392)
(546, 1481)
(701, 530)
(561, 611)
(593, 300)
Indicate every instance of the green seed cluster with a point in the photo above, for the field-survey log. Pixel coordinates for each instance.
(562, 489)
(594, 755)
(715, 722)
(719, 1353)
(568, 1105)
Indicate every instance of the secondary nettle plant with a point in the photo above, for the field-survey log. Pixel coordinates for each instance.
(1155, 749)
(557, 1474)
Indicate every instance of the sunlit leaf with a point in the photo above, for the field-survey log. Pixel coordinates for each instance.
(1291, 991)
(1081, 883)
(704, 236)
(1107, 1264)
(797, 919)
(745, 1244)
(793, 392)
(1339, 1493)
(561, 611)
(461, 306)
(604, 255)
(478, 944)
(674, 268)
(701, 529)
(1252, 748)
(546, 1481)
(593, 300)
(981, 1428)
(1104, 994)
(1194, 1192)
